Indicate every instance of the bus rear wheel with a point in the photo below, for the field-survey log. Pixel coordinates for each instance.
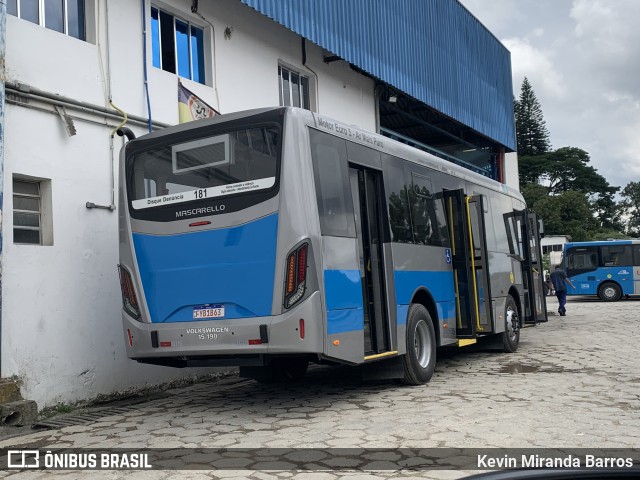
(609, 292)
(511, 334)
(420, 359)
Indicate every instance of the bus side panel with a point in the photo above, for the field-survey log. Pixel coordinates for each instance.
(425, 267)
(127, 255)
(298, 222)
(636, 279)
(343, 297)
(621, 275)
(502, 269)
(230, 266)
(586, 283)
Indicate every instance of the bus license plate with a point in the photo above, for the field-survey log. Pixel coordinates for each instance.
(208, 311)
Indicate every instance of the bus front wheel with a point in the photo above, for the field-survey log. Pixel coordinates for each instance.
(609, 292)
(511, 334)
(420, 359)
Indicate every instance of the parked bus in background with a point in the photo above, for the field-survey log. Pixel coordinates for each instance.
(272, 238)
(609, 269)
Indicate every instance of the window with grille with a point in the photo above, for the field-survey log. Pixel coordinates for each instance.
(64, 16)
(294, 88)
(27, 210)
(177, 45)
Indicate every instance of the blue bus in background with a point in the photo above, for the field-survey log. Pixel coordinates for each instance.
(273, 238)
(609, 269)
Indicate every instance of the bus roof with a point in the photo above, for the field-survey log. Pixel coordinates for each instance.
(392, 147)
(349, 132)
(600, 243)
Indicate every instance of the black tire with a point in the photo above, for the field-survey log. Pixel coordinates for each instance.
(420, 359)
(609, 292)
(511, 334)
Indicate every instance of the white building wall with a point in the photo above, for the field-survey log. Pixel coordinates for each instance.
(61, 304)
(511, 176)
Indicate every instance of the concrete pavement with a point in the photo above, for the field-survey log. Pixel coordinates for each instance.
(574, 382)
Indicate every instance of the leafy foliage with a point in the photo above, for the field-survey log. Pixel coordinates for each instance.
(631, 204)
(562, 187)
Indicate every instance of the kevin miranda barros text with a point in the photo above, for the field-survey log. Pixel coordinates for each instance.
(539, 461)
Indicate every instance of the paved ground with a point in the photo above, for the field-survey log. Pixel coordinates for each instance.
(574, 382)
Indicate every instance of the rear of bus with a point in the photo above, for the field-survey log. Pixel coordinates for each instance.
(216, 261)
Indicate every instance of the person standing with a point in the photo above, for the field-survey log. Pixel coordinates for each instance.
(560, 281)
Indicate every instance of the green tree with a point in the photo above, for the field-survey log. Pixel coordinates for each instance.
(566, 191)
(533, 192)
(567, 213)
(531, 130)
(631, 206)
(568, 169)
(564, 169)
(608, 213)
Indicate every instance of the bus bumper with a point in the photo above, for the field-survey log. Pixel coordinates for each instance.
(228, 341)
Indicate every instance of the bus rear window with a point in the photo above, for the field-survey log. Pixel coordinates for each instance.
(242, 161)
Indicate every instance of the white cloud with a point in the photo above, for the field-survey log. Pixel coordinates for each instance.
(608, 42)
(536, 65)
(583, 60)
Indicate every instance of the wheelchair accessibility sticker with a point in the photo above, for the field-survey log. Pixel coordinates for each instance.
(447, 255)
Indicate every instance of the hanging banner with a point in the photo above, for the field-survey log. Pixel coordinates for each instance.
(191, 107)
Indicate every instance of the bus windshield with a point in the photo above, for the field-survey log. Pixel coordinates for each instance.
(204, 168)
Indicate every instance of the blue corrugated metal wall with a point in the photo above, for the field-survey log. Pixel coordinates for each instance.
(433, 50)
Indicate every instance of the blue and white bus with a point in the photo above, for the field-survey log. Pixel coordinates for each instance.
(272, 238)
(609, 269)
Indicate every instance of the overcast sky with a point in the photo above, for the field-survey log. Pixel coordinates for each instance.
(582, 58)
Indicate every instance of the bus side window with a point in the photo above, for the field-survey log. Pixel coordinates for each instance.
(427, 213)
(419, 196)
(616, 255)
(397, 200)
(581, 260)
(504, 236)
(335, 206)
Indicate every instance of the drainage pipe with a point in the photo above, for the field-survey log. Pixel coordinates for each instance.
(27, 91)
(144, 64)
(3, 50)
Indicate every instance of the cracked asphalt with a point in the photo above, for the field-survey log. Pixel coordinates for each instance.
(573, 383)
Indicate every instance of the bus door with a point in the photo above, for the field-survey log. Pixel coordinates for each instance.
(470, 263)
(366, 190)
(532, 280)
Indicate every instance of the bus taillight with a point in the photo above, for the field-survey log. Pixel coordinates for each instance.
(296, 275)
(291, 272)
(129, 299)
(302, 263)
